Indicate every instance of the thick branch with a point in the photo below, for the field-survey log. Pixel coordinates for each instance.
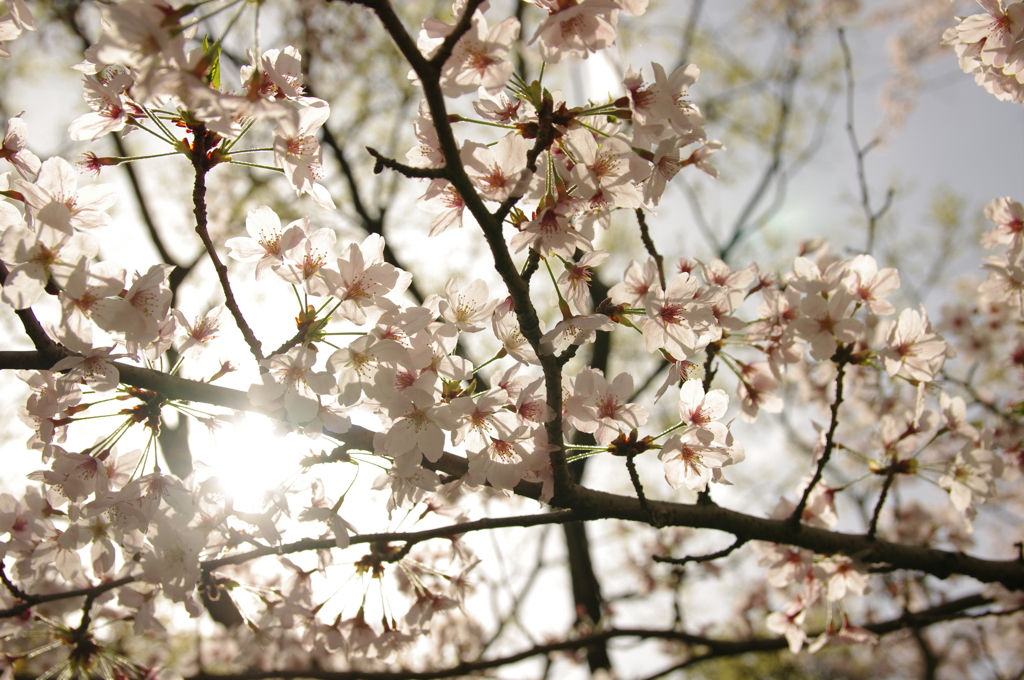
(592, 505)
(428, 72)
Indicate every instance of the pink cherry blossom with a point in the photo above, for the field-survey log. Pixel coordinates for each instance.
(497, 172)
(55, 199)
(298, 153)
(267, 242)
(141, 311)
(913, 351)
(691, 458)
(290, 379)
(478, 59)
(15, 149)
(575, 29)
(602, 408)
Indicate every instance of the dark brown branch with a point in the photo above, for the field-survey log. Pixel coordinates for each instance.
(645, 236)
(716, 648)
(873, 526)
(93, 591)
(201, 164)
(461, 27)
(410, 538)
(33, 329)
(383, 161)
(592, 505)
(703, 558)
(842, 357)
(634, 477)
(950, 611)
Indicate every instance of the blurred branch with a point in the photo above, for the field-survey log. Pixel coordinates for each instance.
(689, 30)
(716, 648)
(859, 151)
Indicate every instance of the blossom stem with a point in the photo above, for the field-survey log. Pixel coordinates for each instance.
(462, 119)
(229, 144)
(581, 456)
(266, 148)
(216, 12)
(159, 136)
(497, 356)
(256, 165)
(156, 119)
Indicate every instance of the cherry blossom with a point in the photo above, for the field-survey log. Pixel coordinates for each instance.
(15, 148)
(55, 199)
(38, 255)
(504, 459)
(478, 59)
(140, 311)
(692, 458)
(418, 423)
(971, 476)
(825, 323)
(497, 171)
(198, 335)
(574, 282)
(576, 29)
(112, 108)
(1008, 216)
(443, 198)
(85, 287)
(637, 282)
(551, 230)
(601, 408)
(676, 321)
(291, 380)
(267, 241)
(479, 419)
(298, 153)
(913, 351)
(506, 328)
(467, 307)
(363, 278)
(303, 264)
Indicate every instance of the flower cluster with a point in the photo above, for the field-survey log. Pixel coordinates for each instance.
(437, 423)
(989, 48)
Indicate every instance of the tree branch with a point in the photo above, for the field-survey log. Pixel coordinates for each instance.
(201, 164)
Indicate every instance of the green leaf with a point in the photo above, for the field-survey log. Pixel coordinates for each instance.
(213, 57)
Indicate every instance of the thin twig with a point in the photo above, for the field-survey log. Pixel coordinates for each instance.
(716, 648)
(702, 558)
(859, 151)
(842, 357)
(383, 161)
(202, 165)
(645, 236)
(873, 526)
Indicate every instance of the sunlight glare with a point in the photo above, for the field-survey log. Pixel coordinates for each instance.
(249, 458)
